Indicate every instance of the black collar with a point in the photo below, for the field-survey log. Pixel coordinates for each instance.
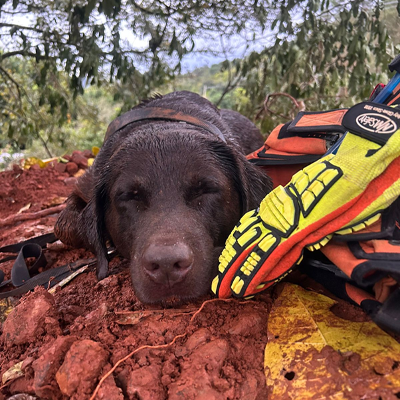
(140, 114)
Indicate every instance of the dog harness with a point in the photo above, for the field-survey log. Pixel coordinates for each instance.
(159, 113)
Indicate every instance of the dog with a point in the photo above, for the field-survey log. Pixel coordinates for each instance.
(166, 189)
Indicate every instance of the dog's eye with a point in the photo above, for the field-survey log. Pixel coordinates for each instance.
(200, 189)
(130, 195)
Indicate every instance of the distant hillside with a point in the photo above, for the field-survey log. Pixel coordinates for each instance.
(209, 82)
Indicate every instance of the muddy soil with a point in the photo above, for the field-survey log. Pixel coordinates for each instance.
(73, 338)
(95, 340)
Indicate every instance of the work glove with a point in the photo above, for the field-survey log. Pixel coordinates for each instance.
(341, 193)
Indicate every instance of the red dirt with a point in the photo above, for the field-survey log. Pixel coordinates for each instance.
(78, 336)
(71, 339)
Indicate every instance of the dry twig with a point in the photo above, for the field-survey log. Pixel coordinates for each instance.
(296, 104)
(29, 216)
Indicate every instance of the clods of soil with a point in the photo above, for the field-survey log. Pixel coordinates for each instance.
(95, 340)
(208, 349)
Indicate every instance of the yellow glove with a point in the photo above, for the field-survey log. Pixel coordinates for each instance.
(340, 193)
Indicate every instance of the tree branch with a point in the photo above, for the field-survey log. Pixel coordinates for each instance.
(30, 28)
(25, 54)
(299, 105)
(4, 72)
(29, 216)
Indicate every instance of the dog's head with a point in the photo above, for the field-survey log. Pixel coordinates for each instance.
(167, 195)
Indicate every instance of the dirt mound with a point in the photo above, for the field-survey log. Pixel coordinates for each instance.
(72, 338)
(94, 339)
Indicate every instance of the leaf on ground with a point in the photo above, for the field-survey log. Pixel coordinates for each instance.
(13, 373)
(95, 150)
(24, 208)
(32, 161)
(6, 306)
(55, 201)
(313, 354)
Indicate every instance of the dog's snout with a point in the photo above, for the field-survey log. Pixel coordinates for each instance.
(167, 264)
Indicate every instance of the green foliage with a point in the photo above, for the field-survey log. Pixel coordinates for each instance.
(48, 119)
(68, 67)
(137, 45)
(100, 39)
(332, 58)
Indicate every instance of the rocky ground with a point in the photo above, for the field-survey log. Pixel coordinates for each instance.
(95, 340)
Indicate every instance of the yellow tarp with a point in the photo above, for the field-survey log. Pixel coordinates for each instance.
(313, 354)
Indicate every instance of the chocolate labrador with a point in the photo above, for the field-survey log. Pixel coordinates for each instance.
(166, 189)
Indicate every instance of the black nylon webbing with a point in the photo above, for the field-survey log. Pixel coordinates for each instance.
(41, 240)
(21, 274)
(48, 278)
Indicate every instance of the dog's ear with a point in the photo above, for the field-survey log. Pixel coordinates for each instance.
(81, 225)
(91, 227)
(251, 184)
(66, 226)
(255, 183)
(99, 233)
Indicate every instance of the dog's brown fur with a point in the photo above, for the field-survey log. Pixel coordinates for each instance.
(167, 195)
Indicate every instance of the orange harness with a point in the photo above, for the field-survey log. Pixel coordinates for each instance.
(362, 268)
(292, 146)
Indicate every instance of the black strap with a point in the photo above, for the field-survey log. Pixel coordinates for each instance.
(41, 240)
(388, 315)
(159, 113)
(48, 278)
(28, 248)
(20, 273)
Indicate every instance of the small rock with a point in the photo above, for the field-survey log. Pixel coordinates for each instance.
(79, 160)
(70, 181)
(250, 390)
(17, 168)
(247, 324)
(109, 390)
(52, 163)
(145, 383)
(81, 368)
(31, 318)
(27, 363)
(202, 373)
(198, 338)
(20, 386)
(47, 364)
(71, 168)
(87, 153)
(60, 167)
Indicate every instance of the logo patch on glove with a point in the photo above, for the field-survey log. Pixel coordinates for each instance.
(372, 121)
(376, 123)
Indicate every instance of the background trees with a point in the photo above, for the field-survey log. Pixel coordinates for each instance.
(322, 53)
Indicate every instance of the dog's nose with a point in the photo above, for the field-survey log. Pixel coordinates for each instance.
(167, 264)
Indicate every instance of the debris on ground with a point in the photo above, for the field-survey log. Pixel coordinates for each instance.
(94, 340)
